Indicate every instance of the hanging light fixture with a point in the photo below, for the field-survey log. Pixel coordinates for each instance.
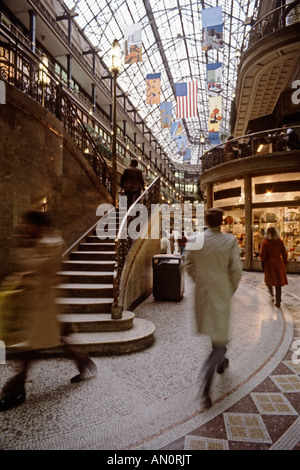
(116, 64)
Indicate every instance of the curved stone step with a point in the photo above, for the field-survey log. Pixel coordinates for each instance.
(138, 337)
(95, 322)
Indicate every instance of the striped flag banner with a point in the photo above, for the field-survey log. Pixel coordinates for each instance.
(186, 99)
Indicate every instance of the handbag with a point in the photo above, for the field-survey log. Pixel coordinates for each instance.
(11, 307)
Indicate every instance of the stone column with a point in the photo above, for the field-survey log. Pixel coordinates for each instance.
(32, 27)
(248, 223)
(209, 195)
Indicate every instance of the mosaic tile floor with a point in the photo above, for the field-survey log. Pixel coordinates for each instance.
(148, 399)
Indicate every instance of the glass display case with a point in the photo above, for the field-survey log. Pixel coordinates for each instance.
(234, 223)
(287, 222)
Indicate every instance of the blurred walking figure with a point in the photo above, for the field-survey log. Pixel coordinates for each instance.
(37, 261)
(216, 270)
(132, 182)
(181, 241)
(274, 258)
(165, 246)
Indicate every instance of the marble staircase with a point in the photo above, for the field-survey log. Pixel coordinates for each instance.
(85, 297)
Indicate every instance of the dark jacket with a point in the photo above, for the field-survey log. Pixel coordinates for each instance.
(132, 179)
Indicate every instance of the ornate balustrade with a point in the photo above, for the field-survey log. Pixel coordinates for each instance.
(28, 72)
(260, 143)
(274, 21)
(124, 243)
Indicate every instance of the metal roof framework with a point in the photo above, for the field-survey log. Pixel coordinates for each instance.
(172, 45)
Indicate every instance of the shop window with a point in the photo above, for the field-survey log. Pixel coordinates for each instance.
(234, 223)
(287, 222)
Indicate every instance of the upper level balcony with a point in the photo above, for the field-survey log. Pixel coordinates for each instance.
(274, 142)
(268, 68)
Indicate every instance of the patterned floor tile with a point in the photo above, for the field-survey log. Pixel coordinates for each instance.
(287, 383)
(246, 427)
(293, 366)
(204, 443)
(273, 404)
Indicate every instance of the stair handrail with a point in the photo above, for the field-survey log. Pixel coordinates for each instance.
(123, 245)
(82, 138)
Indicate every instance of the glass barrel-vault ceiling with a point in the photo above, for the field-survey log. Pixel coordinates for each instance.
(172, 45)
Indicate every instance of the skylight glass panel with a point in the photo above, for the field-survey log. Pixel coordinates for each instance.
(172, 45)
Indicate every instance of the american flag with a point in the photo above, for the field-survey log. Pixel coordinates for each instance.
(186, 99)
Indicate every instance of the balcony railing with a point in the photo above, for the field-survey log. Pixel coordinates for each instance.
(274, 21)
(272, 141)
(29, 73)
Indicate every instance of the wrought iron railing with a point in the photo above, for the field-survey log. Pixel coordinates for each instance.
(36, 78)
(272, 141)
(124, 243)
(83, 139)
(274, 21)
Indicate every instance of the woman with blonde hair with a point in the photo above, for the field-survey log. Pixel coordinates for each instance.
(274, 258)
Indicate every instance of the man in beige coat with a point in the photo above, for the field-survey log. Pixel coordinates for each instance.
(216, 270)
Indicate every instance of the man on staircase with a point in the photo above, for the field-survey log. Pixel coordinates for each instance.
(132, 182)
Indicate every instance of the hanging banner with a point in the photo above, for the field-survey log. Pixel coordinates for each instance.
(133, 43)
(153, 88)
(214, 133)
(212, 28)
(186, 99)
(215, 109)
(214, 78)
(181, 145)
(187, 157)
(166, 115)
(176, 129)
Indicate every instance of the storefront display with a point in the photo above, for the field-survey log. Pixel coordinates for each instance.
(275, 201)
(234, 223)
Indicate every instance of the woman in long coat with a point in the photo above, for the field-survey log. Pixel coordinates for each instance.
(274, 258)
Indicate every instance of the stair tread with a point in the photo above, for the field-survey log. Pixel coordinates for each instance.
(97, 243)
(100, 262)
(86, 273)
(74, 285)
(92, 317)
(84, 300)
(94, 252)
(140, 328)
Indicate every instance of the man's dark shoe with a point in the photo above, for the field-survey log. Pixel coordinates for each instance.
(9, 402)
(205, 403)
(223, 366)
(89, 372)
